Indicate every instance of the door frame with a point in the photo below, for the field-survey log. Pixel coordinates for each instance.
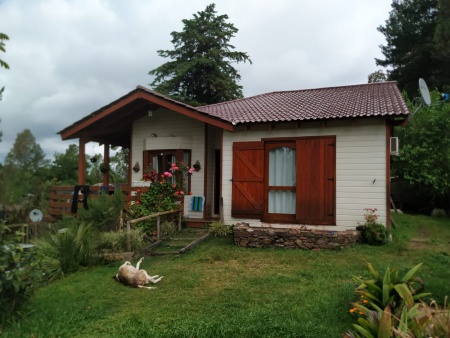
(295, 218)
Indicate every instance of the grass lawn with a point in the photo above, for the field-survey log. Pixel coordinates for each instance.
(222, 290)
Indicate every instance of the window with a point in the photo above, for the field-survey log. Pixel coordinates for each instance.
(161, 161)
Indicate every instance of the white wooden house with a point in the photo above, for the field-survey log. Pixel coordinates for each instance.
(314, 157)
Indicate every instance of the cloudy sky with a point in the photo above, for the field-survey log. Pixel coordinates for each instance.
(70, 57)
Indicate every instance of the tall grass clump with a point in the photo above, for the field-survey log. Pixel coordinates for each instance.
(66, 248)
(116, 241)
(220, 229)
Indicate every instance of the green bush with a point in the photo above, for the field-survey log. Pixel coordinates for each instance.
(439, 213)
(20, 274)
(220, 229)
(104, 212)
(372, 232)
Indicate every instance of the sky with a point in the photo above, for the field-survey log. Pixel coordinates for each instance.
(69, 58)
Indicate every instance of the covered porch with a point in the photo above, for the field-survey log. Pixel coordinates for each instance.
(151, 126)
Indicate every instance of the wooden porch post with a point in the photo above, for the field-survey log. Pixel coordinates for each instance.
(106, 160)
(82, 161)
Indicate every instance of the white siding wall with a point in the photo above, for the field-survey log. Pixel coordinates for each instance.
(360, 168)
(167, 124)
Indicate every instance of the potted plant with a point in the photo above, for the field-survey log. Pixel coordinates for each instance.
(104, 167)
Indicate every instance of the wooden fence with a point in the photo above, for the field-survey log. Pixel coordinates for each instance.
(158, 223)
(61, 197)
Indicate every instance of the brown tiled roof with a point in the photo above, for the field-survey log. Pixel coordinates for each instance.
(375, 99)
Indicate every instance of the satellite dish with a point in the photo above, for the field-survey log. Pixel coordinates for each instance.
(36, 215)
(424, 92)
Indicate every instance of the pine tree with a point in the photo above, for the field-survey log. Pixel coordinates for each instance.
(200, 71)
(410, 52)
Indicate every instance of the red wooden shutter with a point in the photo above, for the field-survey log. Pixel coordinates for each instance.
(248, 179)
(316, 180)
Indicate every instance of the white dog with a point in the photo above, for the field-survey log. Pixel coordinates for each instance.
(132, 276)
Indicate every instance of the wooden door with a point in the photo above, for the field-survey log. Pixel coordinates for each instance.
(281, 182)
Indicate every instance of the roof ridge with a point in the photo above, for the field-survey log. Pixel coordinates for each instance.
(334, 87)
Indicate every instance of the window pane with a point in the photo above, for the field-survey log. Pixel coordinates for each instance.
(282, 167)
(281, 202)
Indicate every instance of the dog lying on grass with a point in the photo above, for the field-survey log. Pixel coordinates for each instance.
(132, 276)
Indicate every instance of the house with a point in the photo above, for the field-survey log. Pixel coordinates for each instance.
(315, 158)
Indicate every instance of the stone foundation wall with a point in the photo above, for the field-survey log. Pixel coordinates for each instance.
(293, 238)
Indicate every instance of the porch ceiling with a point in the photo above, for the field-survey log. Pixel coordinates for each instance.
(115, 127)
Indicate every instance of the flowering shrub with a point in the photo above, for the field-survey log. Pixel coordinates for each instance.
(165, 190)
(372, 232)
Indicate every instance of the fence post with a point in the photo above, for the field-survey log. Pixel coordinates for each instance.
(128, 236)
(158, 228)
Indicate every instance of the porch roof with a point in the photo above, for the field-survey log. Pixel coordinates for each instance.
(364, 100)
(112, 124)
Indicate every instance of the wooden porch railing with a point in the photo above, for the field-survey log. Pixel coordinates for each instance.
(60, 198)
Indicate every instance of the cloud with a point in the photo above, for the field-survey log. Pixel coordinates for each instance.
(69, 58)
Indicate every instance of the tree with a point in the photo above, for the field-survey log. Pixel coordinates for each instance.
(200, 71)
(378, 76)
(410, 52)
(26, 154)
(424, 161)
(25, 169)
(3, 64)
(3, 37)
(65, 166)
(442, 33)
(119, 163)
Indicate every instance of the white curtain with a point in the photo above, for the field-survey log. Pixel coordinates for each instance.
(156, 165)
(282, 173)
